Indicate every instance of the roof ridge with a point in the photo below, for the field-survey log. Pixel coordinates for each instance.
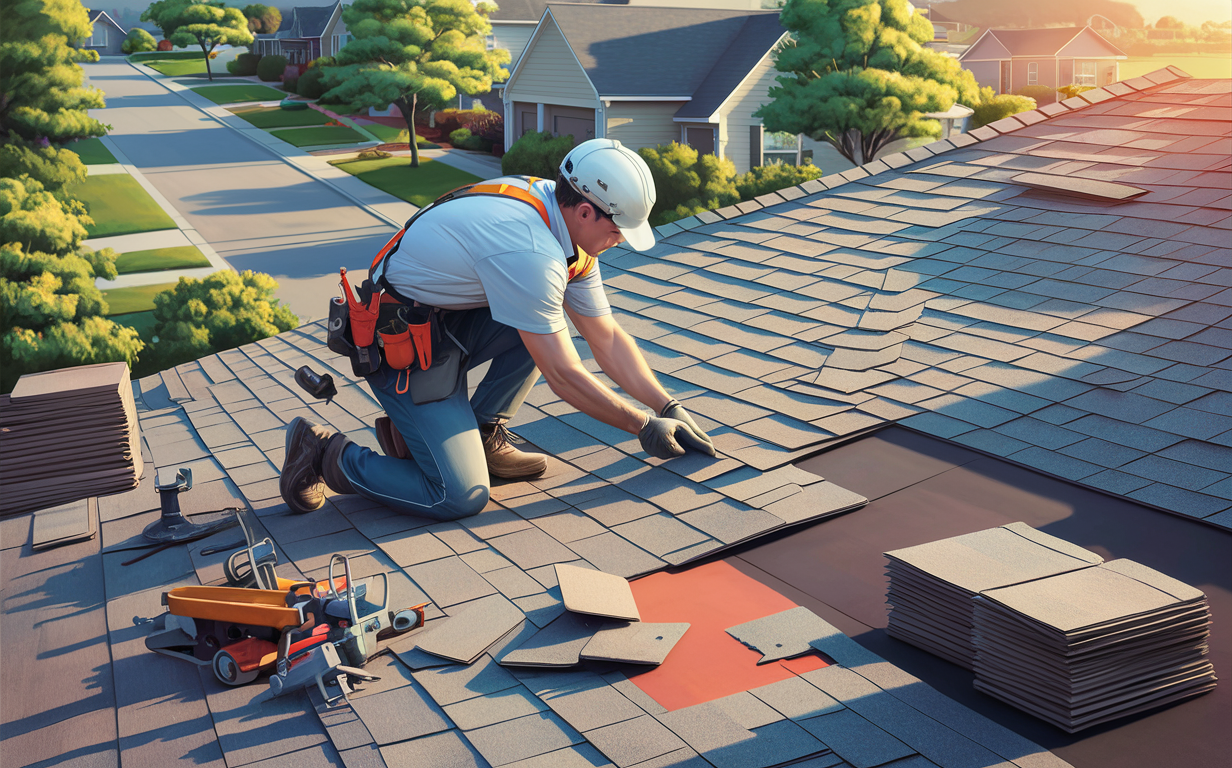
(1159, 77)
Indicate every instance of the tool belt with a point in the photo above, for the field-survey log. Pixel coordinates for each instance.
(376, 323)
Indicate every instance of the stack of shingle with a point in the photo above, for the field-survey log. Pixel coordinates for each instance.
(67, 435)
(1093, 645)
(932, 585)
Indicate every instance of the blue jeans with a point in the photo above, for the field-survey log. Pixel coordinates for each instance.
(447, 476)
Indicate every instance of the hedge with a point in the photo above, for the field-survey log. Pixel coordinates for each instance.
(536, 154)
(270, 68)
(244, 65)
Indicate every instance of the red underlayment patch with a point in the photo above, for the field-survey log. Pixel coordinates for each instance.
(708, 663)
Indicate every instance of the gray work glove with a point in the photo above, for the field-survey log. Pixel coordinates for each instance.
(671, 432)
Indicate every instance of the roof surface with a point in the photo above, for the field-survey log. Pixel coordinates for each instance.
(310, 21)
(532, 10)
(1037, 42)
(642, 51)
(1083, 338)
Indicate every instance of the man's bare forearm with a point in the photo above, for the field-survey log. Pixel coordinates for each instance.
(623, 361)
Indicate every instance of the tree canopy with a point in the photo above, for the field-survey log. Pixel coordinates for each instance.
(41, 93)
(857, 76)
(263, 19)
(687, 183)
(204, 23)
(413, 54)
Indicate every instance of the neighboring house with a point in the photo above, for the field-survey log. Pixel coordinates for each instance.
(107, 36)
(650, 75)
(306, 33)
(1008, 60)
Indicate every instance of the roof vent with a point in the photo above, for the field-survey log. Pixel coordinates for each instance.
(1073, 186)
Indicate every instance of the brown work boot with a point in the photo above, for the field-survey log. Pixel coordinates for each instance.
(390, 439)
(331, 464)
(505, 461)
(301, 485)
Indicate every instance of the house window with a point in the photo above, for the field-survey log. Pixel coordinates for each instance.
(98, 36)
(490, 42)
(1033, 73)
(340, 41)
(781, 147)
(1084, 74)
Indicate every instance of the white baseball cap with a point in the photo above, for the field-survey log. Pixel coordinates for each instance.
(617, 180)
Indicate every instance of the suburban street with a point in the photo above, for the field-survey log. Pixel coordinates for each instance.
(255, 209)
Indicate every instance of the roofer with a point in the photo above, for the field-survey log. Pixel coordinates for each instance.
(504, 268)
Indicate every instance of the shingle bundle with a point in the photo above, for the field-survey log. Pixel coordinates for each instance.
(1093, 645)
(67, 435)
(932, 585)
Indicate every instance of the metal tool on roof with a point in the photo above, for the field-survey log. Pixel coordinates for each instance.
(172, 527)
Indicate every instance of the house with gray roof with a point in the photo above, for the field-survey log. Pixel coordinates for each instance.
(106, 36)
(1008, 60)
(305, 34)
(646, 76)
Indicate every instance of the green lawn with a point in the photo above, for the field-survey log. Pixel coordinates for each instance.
(123, 301)
(119, 206)
(418, 186)
(92, 152)
(161, 259)
(320, 136)
(179, 68)
(230, 94)
(142, 321)
(145, 56)
(1213, 65)
(391, 135)
(274, 117)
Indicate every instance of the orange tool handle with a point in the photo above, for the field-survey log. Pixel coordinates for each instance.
(422, 336)
(363, 318)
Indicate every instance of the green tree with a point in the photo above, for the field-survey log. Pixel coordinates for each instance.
(263, 19)
(138, 40)
(221, 311)
(53, 167)
(774, 176)
(857, 76)
(413, 54)
(199, 22)
(51, 313)
(41, 93)
(993, 107)
(1169, 22)
(687, 183)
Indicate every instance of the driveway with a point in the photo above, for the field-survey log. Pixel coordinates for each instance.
(256, 210)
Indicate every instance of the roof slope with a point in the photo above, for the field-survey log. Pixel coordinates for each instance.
(660, 52)
(532, 10)
(310, 21)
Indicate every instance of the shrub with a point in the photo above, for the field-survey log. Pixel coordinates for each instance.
(138, 40)
(489, 127)
(687, 183)
(244, 65)
(290, 84)
(312, 83)
(464, 139)
(990, 110)
(536, 154)
(373, 154)
(1070, 91)
(165, 45)
(1042, 94)
(450, 120)
(270, 68)
(774, 176)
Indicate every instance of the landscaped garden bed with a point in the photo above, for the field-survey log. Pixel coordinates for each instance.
(178, 68)
(320, 136)
(161, 259)
(119, 206)
(418, 186)
(232, 94)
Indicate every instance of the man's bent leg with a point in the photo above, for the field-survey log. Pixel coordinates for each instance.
(446, 477)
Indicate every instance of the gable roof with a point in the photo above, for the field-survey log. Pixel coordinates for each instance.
(664, 52)
(96, 15)
(310, 21)
(1034, 42)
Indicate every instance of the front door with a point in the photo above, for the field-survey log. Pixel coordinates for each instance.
(1006, 86)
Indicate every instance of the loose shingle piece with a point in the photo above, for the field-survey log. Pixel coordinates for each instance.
(636, 643)
(932, 585)
(783, 635)
(1094, 645)
(472, 630)
(559, 644)
(596, 593)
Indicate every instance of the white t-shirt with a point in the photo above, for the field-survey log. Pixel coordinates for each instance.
(496, 252)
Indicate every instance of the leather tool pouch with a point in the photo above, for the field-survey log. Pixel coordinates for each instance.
(446, 368)
(340, 335)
